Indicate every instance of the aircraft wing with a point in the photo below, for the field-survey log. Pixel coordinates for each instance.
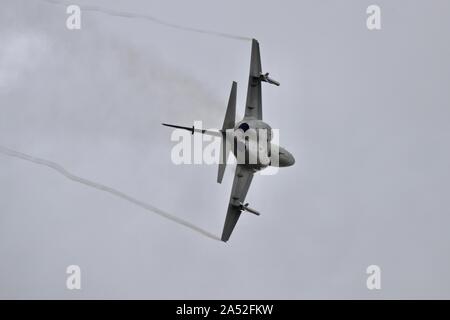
(253, 107)
(241, 183)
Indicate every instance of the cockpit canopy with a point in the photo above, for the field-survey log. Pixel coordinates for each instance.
(244, 126)
(260, 129)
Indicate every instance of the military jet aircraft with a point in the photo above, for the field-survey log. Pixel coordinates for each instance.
(235, 134)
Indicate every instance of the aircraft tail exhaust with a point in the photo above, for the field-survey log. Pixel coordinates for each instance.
(228, 123)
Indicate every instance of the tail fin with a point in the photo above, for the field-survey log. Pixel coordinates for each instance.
(228, 123)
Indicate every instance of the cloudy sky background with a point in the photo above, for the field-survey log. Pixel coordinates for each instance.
(366, 114)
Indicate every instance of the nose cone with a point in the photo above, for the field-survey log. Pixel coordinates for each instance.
(291, 160)
(286, 158)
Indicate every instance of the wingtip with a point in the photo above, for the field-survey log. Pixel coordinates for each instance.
(224, 237)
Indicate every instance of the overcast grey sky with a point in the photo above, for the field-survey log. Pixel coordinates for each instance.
(365, 113)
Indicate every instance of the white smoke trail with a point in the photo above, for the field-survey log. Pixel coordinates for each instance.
(132, 15)
(67, 174)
